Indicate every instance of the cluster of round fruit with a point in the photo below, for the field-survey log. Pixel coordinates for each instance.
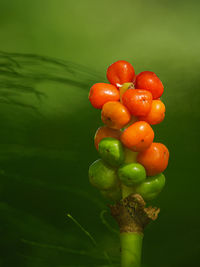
(130, 161)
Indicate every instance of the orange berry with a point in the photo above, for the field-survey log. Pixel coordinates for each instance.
(154, 159)
(138, 137)
(137, 101)
(156, 114)
(100, 93)
(104, 132)
(115, 115)
(120, 72)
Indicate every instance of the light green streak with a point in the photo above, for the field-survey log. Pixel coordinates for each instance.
(82, 229)
(89, 235)
(107, 225)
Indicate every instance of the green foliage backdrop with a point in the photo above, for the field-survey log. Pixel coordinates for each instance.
(52, 52)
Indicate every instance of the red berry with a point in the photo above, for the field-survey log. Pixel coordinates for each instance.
(100, 93)
(154, 159)
(137, 101)
(120, 72)
(138, 137)
(148, 80)
(156, 114)
(115, 115)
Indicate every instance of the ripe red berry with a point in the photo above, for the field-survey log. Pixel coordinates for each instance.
(148, 80)
(115, 115)
(120, 72)
(156, 114)
(137, 101)
(138, 137)
(154, 159)
(100, 93)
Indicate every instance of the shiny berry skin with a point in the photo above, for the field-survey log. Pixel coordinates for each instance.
(151, 187)
(100, 93)
(148, 80)
(137, 101)
(154, 159)
(138, 137)
(104, 132)
(115, 115)
(120, 72)
(156, 114)
(102, 176)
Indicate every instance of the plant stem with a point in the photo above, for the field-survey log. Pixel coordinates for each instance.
(132, 216)
(126, 191)
(131, 249)
(131, 242)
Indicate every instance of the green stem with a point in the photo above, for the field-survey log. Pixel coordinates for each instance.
(132, 216)
(131, 242)
(126, 191)
(131, 249)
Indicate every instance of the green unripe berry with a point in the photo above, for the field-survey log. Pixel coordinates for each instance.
(151, 188)
(132, 174)
(111, 151)
(102, 176)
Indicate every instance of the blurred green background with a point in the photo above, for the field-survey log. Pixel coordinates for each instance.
(47, 126)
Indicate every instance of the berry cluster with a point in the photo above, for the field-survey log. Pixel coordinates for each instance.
(130, 161)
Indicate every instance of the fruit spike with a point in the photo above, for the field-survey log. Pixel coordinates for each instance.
(129, 171)
(128, 113)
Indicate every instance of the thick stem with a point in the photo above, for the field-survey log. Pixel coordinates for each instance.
(131, 249)
(131, 242)
(132, 216)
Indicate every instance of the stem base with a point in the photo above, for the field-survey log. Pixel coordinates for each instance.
(131, 249)
(132, 215)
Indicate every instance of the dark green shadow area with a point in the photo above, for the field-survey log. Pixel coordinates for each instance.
(44, 161)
